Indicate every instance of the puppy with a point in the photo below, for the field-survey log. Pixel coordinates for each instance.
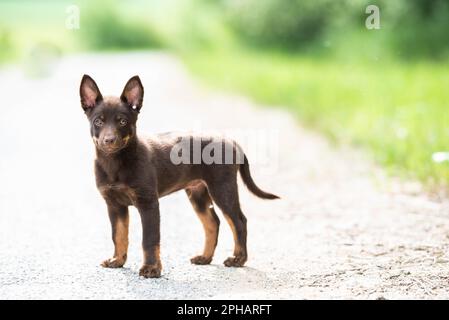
(132, 171)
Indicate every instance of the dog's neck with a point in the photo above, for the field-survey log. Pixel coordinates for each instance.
(111, 162)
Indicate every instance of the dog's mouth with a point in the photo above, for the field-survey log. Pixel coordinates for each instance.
(109, 149)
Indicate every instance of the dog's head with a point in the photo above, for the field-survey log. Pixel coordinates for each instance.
(112, 120)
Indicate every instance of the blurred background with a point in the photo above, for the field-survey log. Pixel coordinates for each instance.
(259, 66)
(385, 90)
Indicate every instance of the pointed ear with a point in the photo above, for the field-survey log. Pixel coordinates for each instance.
(133, 93)
(89, 93)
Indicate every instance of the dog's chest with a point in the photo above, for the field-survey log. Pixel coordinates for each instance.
(119, 193)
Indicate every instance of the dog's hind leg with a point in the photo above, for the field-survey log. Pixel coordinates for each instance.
(225, 195)
(202, 204)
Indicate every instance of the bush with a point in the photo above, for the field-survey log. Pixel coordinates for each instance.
(288, 24)
(421, 29)
(107, 29)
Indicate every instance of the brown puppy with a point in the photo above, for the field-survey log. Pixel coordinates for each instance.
(134, 171)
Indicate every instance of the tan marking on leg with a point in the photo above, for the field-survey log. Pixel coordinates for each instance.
(121, 238)
(237, 248)
(120, 245)
(204, 209)
(211, 232)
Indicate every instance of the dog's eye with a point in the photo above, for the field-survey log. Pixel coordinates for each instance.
(98, 122)
(123, 122)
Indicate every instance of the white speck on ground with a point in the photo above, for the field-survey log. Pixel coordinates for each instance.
(335, 234)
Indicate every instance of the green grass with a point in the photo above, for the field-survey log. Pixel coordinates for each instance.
(399, 112)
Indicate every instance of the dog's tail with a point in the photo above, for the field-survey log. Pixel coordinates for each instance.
(249, 182)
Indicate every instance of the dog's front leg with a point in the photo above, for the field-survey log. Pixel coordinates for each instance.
(119, 217)
(149, 214)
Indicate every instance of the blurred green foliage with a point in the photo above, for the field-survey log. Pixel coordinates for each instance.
(105, 27)
(420, 28)
(289, 24)
(6, 48)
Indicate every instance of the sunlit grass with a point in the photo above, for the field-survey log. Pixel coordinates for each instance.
(399, 112)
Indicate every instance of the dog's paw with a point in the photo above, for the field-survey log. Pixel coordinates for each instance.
(113, 263)
(237, 261)
(201, 260)
(150, 271)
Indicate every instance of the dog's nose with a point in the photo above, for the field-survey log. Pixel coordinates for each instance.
(110, 139)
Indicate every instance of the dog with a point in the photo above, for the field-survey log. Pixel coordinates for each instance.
(133, 171)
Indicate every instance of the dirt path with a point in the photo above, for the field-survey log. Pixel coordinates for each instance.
(334, 234)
